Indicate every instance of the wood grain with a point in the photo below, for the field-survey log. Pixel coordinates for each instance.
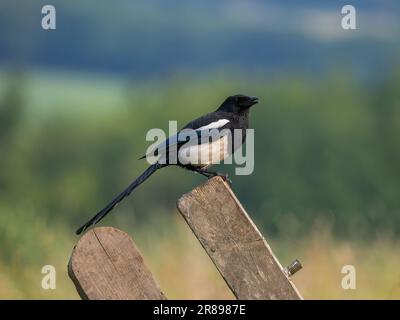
(105, 264)
(234, 244)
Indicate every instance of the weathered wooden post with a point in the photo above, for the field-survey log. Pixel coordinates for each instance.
(233, 242)
(105, 263)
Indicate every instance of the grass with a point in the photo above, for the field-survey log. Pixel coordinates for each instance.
(184, 270)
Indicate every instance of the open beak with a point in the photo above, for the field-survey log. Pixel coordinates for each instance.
(254, 100)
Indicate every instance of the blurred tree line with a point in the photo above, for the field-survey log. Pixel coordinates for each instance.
(326, 149)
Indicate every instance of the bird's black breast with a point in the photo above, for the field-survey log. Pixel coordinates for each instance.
(239, 121)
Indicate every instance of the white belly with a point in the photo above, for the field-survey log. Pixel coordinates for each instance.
(205, 154)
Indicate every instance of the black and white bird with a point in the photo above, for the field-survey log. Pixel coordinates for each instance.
(194, 147)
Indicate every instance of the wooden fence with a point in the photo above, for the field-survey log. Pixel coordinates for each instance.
(105, 263)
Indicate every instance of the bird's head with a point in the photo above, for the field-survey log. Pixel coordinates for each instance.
(238, 103)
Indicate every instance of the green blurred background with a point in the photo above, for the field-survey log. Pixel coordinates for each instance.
(76, 103)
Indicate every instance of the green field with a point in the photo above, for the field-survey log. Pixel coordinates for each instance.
(326, 174)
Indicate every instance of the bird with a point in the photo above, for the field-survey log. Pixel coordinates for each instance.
(197, 154)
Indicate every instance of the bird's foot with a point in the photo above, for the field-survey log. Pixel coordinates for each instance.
(224, 177)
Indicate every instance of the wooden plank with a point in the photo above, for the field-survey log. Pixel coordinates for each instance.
(105, 264)
(234, 244)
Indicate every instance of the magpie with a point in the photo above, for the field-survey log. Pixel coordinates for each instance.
(232, 114)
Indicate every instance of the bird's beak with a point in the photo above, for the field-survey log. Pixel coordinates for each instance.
(254, 100)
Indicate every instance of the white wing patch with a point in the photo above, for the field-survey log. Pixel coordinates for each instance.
(214, 125)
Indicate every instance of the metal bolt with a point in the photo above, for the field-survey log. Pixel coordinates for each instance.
(292, 268)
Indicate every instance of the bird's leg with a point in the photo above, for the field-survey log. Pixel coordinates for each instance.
(224, 176)
(201, 171)
(209, 174)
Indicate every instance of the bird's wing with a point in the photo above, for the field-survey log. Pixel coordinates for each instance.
(213, 120)
(198, 131)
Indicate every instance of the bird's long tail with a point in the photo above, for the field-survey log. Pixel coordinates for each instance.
(149, 171)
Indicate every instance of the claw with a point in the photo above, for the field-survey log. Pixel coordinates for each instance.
(225, 178)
